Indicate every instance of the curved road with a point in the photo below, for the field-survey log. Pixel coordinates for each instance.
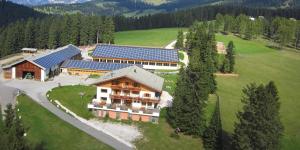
(37, 91)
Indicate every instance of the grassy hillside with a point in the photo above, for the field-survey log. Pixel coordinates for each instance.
(260, 64)
(55, 133)
(154, 37)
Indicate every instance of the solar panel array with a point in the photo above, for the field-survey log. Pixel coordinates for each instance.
(92, 65)
(58, 57)
(136, 53)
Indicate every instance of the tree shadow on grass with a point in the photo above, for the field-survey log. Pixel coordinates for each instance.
(226, 140)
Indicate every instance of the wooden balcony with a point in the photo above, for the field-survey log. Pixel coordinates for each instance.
(133, 98)
(126, 87)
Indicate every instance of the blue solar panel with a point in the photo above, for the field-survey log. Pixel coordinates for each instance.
(92, 65)
(136, 53)
(58, 57)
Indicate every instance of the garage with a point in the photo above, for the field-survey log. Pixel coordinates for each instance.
(28, 70)
(43, 66)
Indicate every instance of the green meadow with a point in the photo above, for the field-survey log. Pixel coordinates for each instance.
(43, 126)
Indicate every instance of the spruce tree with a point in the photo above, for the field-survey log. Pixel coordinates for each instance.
(175, 112)
(180, 40)
(259, 125)
(212, 137)
(9, 116)
(225, 68)
(230, 56)
(29, 34)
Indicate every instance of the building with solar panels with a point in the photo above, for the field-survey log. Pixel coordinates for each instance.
(149, 58)
(81, 67)
(43, 66)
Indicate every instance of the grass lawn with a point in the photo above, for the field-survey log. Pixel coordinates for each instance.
(70, 98)
(157, 137)
(55, 133)
(255, 62)
(181, 55)
(154, 37)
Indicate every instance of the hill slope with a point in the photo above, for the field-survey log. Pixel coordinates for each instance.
(10, 12)
(144, 7)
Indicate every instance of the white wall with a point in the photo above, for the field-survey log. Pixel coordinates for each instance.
(99, 94)
(43, 75)
(13, 72)
(160, 67)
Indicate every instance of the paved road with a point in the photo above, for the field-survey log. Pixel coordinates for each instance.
(7, 95)
(37, 91)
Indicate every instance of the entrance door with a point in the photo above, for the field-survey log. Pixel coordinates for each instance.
(28, 75)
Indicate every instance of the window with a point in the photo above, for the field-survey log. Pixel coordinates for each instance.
(144, 103)
(166, 64)
(124, 61)
(131, 62)
(145, 63)
(158, 64)
(117, 61)
(103, 90)
(102, 60)
(135, 92)
(104, 98)
(138, 62)
(109, 61)
(136, 84)
(126, 83)
(152, 63)
(115, 82)
(174, 65)
(146, 95)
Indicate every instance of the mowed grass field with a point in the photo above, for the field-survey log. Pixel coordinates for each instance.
(55, 133)
(153, 37)
(255, 62)
(69, 97)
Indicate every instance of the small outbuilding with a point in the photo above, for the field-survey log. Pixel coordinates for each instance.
(29, 50)
(43, 66)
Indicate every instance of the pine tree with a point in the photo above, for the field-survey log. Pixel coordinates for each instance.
(230, 56)
(274, 125)
(75, 29)
(259, 125)
(29, 40)
(212, 137)
(175, 112)
(225, 68)
(9, 116)
(180, 40)
(107, 33)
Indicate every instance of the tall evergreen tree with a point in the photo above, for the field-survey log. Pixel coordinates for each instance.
(259, 125)
(180, 40)
(212, 137)
(29, 40)
(230, 56)
(107, 33)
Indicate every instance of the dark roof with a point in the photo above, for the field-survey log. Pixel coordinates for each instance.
(136, 53)
(92, 65)
(57, 57)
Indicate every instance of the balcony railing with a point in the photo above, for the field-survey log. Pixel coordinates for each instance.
(123, 86)
(134, 97)
(119, 107)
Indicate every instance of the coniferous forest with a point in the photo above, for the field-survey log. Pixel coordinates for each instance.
(47, 31)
